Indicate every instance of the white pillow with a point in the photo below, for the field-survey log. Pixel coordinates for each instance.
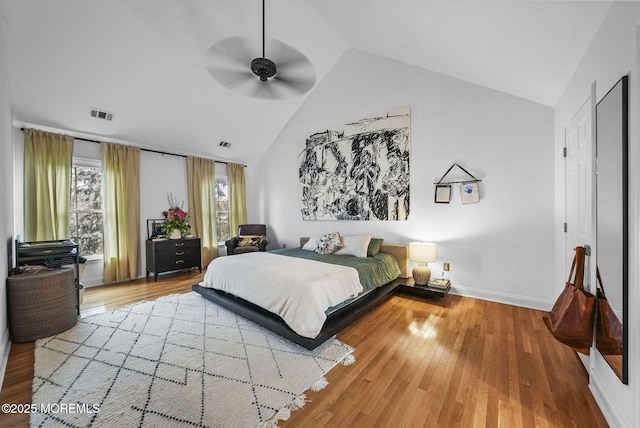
(311, 244)
(354, 245)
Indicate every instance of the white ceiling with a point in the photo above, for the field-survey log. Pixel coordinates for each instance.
(145, 60)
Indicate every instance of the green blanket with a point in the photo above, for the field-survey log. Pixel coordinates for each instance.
(373, 271)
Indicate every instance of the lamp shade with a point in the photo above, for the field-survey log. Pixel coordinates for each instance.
(422, 252)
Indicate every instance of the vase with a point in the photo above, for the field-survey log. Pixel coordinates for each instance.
(175, 234)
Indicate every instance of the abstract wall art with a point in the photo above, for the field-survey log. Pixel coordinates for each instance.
(357, 171)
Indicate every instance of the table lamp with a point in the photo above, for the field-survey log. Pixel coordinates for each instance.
(423, 253)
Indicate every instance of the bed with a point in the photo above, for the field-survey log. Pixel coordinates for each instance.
(337, 316)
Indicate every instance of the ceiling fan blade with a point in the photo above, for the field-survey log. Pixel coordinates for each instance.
(296, 86)
(215, 67)
(284, 54)
(233, 52)
(301, 66)
(292, 64)
(264, 90)
(232, 79)
(228, 61)
(297, 71)
(245, 83)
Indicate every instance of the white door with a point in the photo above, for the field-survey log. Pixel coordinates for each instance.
(579, 181)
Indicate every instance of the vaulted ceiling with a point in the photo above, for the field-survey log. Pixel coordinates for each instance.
(146, 60)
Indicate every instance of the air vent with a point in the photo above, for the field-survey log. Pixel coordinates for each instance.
(101, 114)
(225, 144)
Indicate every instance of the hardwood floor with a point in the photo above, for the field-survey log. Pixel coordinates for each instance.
(452, 362)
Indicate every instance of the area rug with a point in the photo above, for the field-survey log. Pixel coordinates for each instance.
(180, 360)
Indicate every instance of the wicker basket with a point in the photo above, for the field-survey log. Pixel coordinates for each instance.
(41, 303)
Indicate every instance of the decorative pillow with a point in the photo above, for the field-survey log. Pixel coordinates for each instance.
(311, 244)
(354, 245)
(329, 243)
(374, 246)
(249, 240)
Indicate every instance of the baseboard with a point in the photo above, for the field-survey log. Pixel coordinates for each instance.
(92, 281)
(585, 360)
(612, 413)
(499, 297)
(5, 348)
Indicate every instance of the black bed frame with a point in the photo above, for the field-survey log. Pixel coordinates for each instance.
(334, 323)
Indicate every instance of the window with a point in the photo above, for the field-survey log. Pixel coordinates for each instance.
(85, 223)
(222, 209)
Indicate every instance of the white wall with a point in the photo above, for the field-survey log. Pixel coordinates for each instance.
(6, 195)
(612, 54)
(500, 249)
(160, 175)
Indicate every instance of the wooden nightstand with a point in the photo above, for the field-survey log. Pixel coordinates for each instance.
(410, 288)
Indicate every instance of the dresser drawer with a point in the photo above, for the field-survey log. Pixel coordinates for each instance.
(182, 262)
(175, 244)
(177, 263)
(176, 253)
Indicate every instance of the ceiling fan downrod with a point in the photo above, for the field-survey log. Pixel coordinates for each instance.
(263, 67)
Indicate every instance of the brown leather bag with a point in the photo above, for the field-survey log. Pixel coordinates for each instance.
(608, 326)
(571, 319)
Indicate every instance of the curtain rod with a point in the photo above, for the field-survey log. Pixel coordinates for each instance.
(142, 149)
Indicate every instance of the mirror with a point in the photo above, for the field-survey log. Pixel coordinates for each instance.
(611, 219)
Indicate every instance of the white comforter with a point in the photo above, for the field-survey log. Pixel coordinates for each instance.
(298, 290)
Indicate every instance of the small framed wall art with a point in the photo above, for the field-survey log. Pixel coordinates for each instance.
(443, 193)
(155, 228)
(469, 188)
(469, 192)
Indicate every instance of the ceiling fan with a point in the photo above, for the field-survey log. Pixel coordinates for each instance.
(287, 73)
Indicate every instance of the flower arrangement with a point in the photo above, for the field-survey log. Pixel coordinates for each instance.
(175, 217)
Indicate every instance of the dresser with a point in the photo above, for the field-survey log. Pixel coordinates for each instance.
(172, 254)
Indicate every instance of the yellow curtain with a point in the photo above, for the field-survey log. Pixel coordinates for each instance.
(237, 199)
(48, 159)
(121, 221)
(201, 176)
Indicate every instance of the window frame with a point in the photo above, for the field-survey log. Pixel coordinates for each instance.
(88, 163)
(224, 178)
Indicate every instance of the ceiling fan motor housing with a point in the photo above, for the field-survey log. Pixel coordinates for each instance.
(263, 68)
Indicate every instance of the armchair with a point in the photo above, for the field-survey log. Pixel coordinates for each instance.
(251, 237)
